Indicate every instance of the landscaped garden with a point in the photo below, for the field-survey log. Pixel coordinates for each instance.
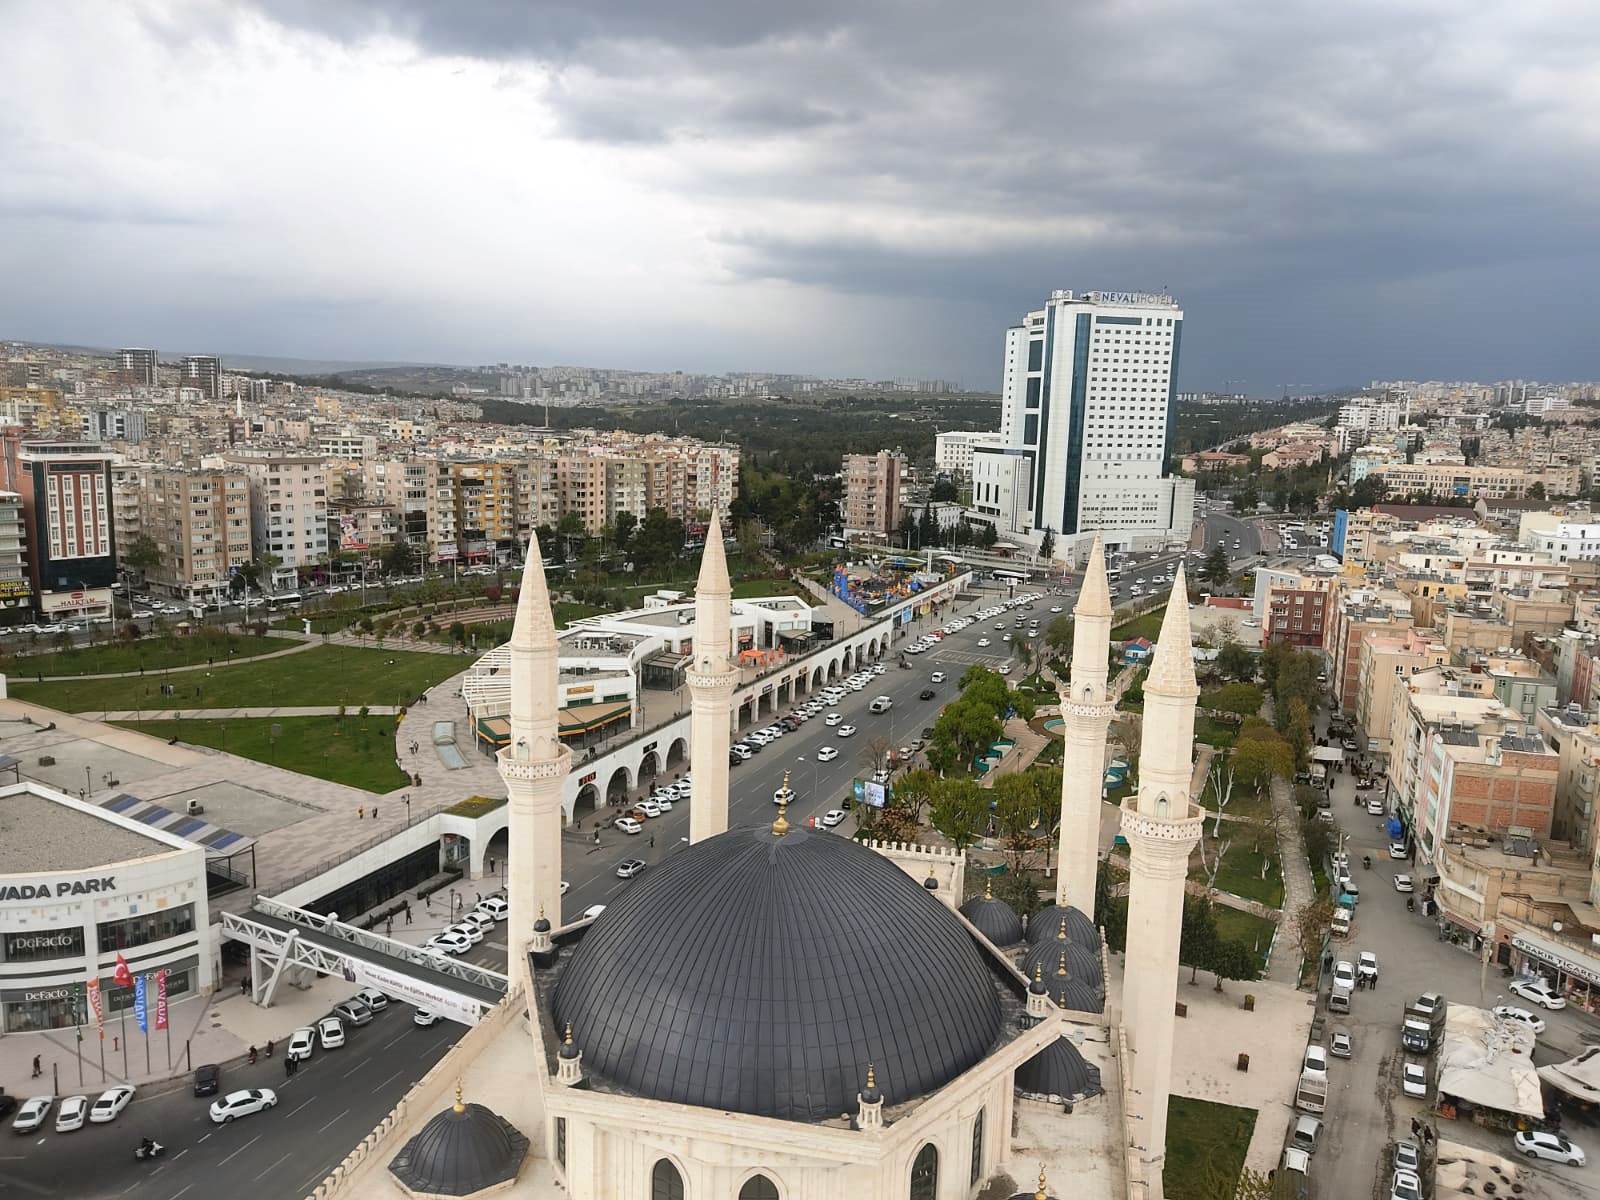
(325, 675)
(1206, 1145)
(1255, 932)
(150, 654)
(353, 750)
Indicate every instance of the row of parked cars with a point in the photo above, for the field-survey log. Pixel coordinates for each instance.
(72, 1113)
(468, 932)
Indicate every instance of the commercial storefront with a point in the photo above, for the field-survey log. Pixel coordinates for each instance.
(79, 886)
(1571, 971)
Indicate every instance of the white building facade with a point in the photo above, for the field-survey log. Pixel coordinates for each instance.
(953, 451)
(1086, 424)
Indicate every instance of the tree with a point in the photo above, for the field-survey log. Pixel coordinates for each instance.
(958, 811)
(1216, 571)
(1058, 634)
(1220, 780)
(458, 633)
(142, 553)
(569, 530)
(749, 535)
(1236, 661)
(1368, 491)
(658, 542)
(1536, 492)
(944, 491)
(399, 558)
(1232, 959)
(622, 531)
(1022, 819)
(1047, 544)
(1197, 940)
(1237, 699)
(1261, 755)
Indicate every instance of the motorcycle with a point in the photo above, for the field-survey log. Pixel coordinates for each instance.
(148, 1150)
(1366, 861)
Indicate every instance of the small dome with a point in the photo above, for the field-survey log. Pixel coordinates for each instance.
(464, 1150)
(870, 1094)
(1058, 1071)
(1082, 964)
(542, 925)
(995, 919)
(1047, 921)
(758, 972)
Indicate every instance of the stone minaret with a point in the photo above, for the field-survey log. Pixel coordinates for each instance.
(534, 763)
(712, 678)
(1162, 826)
(1086, 711)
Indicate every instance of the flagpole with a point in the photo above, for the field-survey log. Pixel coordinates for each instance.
(146, 1025)
(126, 1071)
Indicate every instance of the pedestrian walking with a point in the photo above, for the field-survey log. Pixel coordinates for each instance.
(288, 1066)
(38, 1070)
(408, 912)
(361, 812)
(388, 929)
(652, 841)
(374, 812)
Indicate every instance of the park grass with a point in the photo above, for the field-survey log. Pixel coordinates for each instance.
(1240, 872)
(1206, 1145)
(1212, 731)
(754, 589)
(327, 675)
(1234, 923)
(152, 654)
(1146, 626)
(1245, 803)
(355, 751)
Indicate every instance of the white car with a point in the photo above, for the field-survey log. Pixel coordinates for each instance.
(1316, 1061)
(72, 1113)
(1414, 1079)
(649, 808)
(301, 1042)
(110, 1104)
(628, 825)
(376, 1000)
(1406, 1156)
(1344, 974)
(497, 909)
(827, 753)
(1375, 808)
(629, 867)
(878, 668)
(448, 942)
(847, 731)
(330, 1032)
(1397, 849)
(1539, 993)
(32, 1113)
(1402, 883)
(834, 816)
(1406, 1185)
(1512, 1015)
(468, 930)
(1536, 1143)
(982, 642)
(936, 677)
(422, 1017)
(1367, 964)
(833, 718)
(476, 917)
(1055, 608)
(242, 1104)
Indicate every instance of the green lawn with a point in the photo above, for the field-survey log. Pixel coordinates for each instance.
(1206, 1145)
(353, 751)
(326, 675)
(751, 589)
(1248, 928)
(1245, 803)
(1241, 869)
(1146, 626)
(153, 654)
(1212, 731)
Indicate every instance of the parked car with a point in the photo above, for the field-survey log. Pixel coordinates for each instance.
(1397, 849)
(1316, 1060)
(1406, 1185)
(242, 1104)
(494, 907)
(330, 1032)
(71, 1113)
(32, 1113)
(1519, 1016)
(1340, 1045)
(1539, 993)
(1407, 1157)
(1414, 1079)
(1537, 1143)
(1402, 883)
(1344, 974)
(448, 942)
(629, 867)
(301, 1042)
(423, 1018)
(207, 1079)
(627, 825)
(832, 817)
(110, 1104)
(1367, 965)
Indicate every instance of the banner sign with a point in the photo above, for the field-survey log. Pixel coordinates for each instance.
(96, 1006)
(140, 1012)
(453, 1006)
(161, 998)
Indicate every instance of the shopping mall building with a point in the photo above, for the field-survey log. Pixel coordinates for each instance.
(80, 884)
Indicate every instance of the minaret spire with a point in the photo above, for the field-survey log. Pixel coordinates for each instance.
(534, 764)
(712, 678)
(1086, 712)
(1162, 825)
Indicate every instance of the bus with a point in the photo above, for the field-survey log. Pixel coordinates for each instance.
(283, 600)
(1011, 577)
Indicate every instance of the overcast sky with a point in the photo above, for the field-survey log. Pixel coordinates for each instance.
(1334, 192)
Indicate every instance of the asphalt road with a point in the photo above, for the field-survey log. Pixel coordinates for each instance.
(335, 1099)
(1229, 529)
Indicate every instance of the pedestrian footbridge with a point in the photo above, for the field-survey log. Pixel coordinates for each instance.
(284, 939)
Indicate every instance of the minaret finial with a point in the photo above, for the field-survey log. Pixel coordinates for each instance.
(781, 825)
(988, 887)
(1041, 1194)
(459, 1106)
(872, 1079)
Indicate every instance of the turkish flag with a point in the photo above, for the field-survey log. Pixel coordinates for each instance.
(122, 977)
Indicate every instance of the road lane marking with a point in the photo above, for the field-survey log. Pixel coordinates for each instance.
(180, 1154)
(403, 1034)
(340, 1117)
(298, 1107)
(206, 1136)
(355, 1068)
(175, 1195)
(285, 1154)
(380, 1084)
(240, 1151)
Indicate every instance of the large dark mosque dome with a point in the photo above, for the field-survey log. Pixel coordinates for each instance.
(762, 972)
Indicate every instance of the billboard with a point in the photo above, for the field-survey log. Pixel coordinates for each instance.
(443, 1002)
(868, 791)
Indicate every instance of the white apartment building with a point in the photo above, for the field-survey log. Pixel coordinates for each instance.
(356, 447)
(952, 451)
(1086, 421)
(1363, 416)
(288, 510)
(1562, 538)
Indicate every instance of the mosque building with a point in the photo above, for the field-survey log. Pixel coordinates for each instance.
(782, 1013)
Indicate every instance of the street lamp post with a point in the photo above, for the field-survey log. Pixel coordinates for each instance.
(407, 798)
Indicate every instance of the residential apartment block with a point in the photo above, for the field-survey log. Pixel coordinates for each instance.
(200, 523)
(288, 510)
(872, 504)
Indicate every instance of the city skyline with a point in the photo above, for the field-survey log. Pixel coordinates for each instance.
(829, 192)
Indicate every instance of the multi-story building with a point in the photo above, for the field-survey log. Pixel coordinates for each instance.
(202, 371)
(952, 451)
(1562, 538)
(288, 510)
(486, 507)
(1351, 616)
(1574, 735)
(200, 523)
(1086, 419)
(1386, 662)
(353, 446)
(1448, 479)
(872, 505)
(420, 493)
(1363, 417)
(66, 504)
(712, 478)
(362, 528)
(16, 589)
(1487, 782)
(137, 366)
(127, 500)
(115, 424)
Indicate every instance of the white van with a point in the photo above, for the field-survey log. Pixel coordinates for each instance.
(881, 704)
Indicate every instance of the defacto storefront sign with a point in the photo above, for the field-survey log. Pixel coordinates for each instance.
(44, 944)
(99, 886)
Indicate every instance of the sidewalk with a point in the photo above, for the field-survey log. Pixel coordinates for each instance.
(227, 714)
(1284, 966)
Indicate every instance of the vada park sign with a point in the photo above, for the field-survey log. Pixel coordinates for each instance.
(54, 891)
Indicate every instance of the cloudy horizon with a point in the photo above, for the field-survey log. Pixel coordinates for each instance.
(1333, 193)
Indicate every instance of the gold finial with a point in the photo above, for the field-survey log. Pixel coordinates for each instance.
(988, 887)
(568, 1038)
(459, 1107)
(1061, 967)
(1040, 1194)
(1061, 934)
(781, 825)
(786, 780)
(872, 1080)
